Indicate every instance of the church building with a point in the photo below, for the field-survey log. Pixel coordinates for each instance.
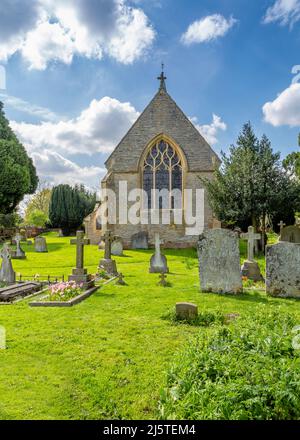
(163, 149)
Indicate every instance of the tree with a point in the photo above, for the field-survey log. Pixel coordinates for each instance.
(69, 206)
(292, 164)
(37, 218)
(18, 174)
(39, 202)
(251, 184)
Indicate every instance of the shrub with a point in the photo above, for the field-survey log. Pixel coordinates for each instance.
(246, 371)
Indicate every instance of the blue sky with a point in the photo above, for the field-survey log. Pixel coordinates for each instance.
(79, 72)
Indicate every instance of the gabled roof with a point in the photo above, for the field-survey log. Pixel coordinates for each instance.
(162, 116)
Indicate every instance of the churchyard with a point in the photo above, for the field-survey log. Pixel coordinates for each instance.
(119, 353)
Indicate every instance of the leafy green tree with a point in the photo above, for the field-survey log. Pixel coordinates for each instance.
(69, 206)
(18, 175)
(251, 184)
(37, 218)
(39, 202)
(292, 164)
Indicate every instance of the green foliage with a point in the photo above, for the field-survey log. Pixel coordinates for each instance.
(204, 318)
(10, 220)
(37, 218)
(69, 206)
(39, 202)
(248, 370)
(292, 164)
(252, 184)
(18, 175)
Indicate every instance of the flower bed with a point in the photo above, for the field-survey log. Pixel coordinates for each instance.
(64, 291)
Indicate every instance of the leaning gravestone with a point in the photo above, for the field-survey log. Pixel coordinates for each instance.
(186, 310)
(219, 262)
(7, 274)
(283, 270)
(139, 241)
(40, 244)
(117, 247)
(291, 234)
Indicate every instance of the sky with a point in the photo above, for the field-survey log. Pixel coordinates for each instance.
(76, 74)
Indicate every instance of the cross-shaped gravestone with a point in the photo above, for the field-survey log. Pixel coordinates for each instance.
(7, 273)
(108, 239)
(80, 275)
(20, 254)
(251, 237)
(158, 262)
(281, 225)
(80, 242)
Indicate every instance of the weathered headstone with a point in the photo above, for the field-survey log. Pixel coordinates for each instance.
(80, 275)
(250, 268)
(2, 338)
(140, 241)
(186, 310)
(281, 225)
(163, 280)
(121, 281)
(290, 234)
(219, 262)
(107, 263)
(40, 244)
(7, 274)
(19, 254)
(283, 270)
(158, 261)
(117, 247)
(15, 291)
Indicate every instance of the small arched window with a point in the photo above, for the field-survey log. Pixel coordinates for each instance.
(162, 169)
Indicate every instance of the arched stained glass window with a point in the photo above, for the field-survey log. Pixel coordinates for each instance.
(162, 169)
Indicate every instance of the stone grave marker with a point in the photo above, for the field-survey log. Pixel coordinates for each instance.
(107, 263)
(139, 241)
(80, 275)
(40, 244)
(117, 247)
(15, 291)
(19, 254)
(290, 234)
(250, 268)
(158, 261)
(163, 280)
(219, 262)
(7, 274)
(283, 270)
(186, 310)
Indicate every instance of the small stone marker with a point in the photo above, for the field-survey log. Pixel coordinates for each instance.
(107, 263)
(19, 254)
(186, 310)
(80, 275)
(121, 281)
(2, 338)
(219, 262)
(163, 280)
(290, 234)
(283, 270)
(250, 268)
(117, 247)
(158, 262)
(281, 225)
(139, 241)
(7, 274)
(40, 244)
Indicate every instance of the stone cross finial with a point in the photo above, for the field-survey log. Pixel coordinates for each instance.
(80, 242)
(7, 273)
(281, 225)
(163, 280)
(5, 252)
(162, 79)
(108, 239)
(251, 237)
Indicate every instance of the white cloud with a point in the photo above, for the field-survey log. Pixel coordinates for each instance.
(62, 29)
(210, 131)
(26, 107)
(285, 109)
(283, 11)
(207, 29)
(97, 129)
(54, 168)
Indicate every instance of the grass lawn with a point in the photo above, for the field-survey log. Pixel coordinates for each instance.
(108, 356)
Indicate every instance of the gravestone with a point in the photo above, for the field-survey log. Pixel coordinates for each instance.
(281, 225)
(15, 291)
(186, 310)
(283, 270)
(117, 247)
(80, 275)
(18, 254)
(107, 263)
(250, 268)
(219, 262)
(40, 244)
(7, 274)
(139, 241)
(2, 338)
(158, 262)
(163, 280)
(121, 281)
(290, 234)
